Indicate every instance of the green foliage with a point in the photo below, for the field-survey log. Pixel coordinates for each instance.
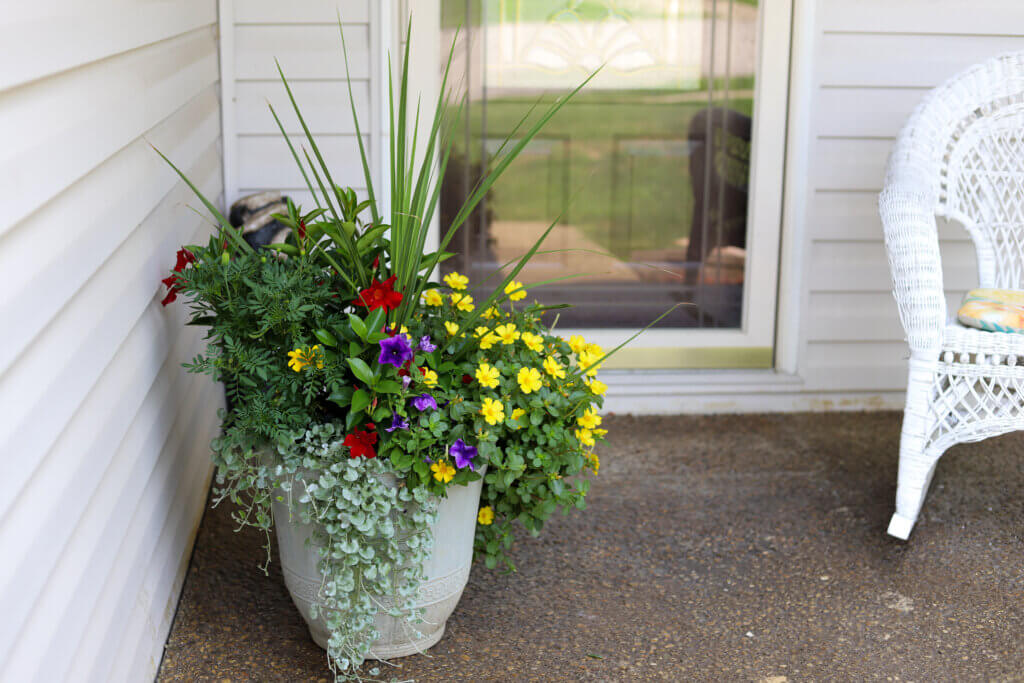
(538, 453)
(257, 309)
(362, 443)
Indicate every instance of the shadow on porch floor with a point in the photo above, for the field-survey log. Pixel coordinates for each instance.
(739, 548)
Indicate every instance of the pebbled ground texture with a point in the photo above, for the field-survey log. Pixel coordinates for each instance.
(722, 548)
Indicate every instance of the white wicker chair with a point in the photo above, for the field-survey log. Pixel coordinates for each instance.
(960, 156)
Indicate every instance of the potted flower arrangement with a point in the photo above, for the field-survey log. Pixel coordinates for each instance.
(389, 426)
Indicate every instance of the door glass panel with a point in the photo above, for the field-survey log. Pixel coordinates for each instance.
(646, 170)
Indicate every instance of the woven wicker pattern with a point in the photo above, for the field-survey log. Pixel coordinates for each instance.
(960, 156)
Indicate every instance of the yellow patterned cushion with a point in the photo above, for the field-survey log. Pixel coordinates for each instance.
(994, 310)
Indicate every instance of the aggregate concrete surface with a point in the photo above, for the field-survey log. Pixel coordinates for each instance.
(723, 548)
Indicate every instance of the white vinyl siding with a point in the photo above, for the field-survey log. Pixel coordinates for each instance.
(872, 62)
(305, 39)
(104, 437)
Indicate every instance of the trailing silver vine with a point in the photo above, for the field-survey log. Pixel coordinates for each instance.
(373, 533)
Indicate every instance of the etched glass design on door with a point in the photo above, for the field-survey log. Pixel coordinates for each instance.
(646, 170)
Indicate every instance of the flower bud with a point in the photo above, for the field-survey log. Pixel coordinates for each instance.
(225, 257)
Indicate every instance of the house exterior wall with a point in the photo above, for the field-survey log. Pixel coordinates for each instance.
(305, 39)
(104, 439)
(858, 68)
(869, 63)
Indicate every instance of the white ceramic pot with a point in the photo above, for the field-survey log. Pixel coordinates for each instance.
(446, 570)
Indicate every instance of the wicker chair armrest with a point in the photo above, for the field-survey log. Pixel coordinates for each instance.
(912, 244)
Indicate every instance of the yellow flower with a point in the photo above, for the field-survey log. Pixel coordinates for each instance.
(534, 342)
(577, 343)
(599, 433)
(589, 419)
(554, 368)
(492, 313)
(463, 302)
(456, 281)
(429, 377)
(589, 361)
(488, 340)
(487, 375)
(485, 516)
(598, 387)
(443, 472)
(432, 297)
(481, 331)
(529, 380)
(515, 291)
(517, 413)
(506, 333)
(300, 358)
(586, 437)
(493, 411)
(451, 327)
(595, 462)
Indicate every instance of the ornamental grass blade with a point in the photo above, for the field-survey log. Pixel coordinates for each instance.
(489, 179)
(359, 134)
(295, 155)
(633, 336)
(341, 233)
(500, 289)
(349, 243)
(236, 237)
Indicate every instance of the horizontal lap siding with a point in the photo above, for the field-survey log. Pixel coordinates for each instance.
(306, 41)
(105, 438)
(873, 61)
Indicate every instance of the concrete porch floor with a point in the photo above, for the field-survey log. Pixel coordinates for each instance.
(726, 548)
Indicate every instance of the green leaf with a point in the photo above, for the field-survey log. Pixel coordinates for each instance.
(289, 249)
(360, 399)
(401, 459)
(381, 413)
(326, 337)
(358, 326)
(375, 321)
(342, 397)
(361, 370)
(388, 386)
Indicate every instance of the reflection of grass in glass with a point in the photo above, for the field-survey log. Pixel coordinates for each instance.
(453, 12)
(631, 201)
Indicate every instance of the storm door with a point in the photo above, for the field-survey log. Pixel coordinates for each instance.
(651, 168)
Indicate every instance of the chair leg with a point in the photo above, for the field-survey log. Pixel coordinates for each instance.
(917, 456)
(915, 475)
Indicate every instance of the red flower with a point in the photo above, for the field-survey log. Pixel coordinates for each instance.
(380, 295)
(360, 442)
(302, 230)
(185, 257)
(466, 379)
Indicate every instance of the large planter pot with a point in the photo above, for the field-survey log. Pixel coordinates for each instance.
(446, 570)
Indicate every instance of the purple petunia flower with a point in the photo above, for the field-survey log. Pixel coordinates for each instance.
(423, 402)
(395, 351)
(397, 422)
(426, 345)
(463, 454)
(406, 381)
